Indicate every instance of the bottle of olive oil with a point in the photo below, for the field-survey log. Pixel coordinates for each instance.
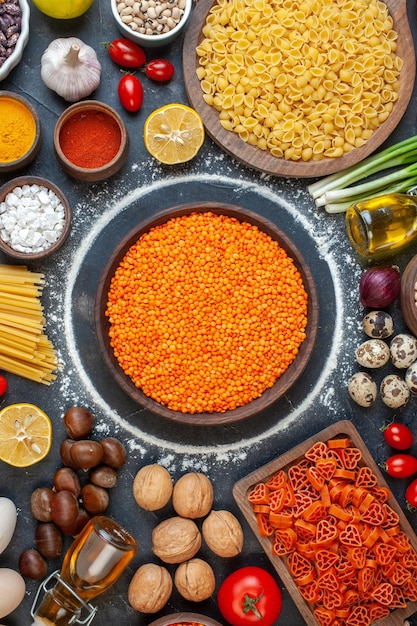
(382, 224)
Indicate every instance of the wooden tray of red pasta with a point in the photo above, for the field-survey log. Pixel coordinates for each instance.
(331, 528)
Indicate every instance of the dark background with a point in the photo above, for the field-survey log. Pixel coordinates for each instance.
(102, 214)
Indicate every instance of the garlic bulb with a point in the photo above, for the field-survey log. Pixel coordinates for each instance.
(70, 68)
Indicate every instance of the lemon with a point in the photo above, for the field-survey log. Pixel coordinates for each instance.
(25, 434)
(173, 133)
(63, 9)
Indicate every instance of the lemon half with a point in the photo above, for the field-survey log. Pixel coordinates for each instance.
(25, 434)
(173, 133)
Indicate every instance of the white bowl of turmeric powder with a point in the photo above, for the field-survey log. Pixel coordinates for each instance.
(20, 132)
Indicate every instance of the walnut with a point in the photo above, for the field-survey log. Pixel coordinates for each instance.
(195, 580)
(193, 495)
(150, 588)
(152, 487)
(223, 533)
(176, 539)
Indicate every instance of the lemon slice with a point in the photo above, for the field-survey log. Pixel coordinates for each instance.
(173, 133)
(25, 434)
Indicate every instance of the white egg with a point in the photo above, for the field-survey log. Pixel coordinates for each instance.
(13, 590)
(8, 519)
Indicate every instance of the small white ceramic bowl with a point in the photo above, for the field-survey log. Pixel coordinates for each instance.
(152, 41)
(17, 53)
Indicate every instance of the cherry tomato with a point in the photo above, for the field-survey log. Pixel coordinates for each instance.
(411, 494)
(401, 465)
(130, 93)
(250, 596)
(126, 53)
(3, 385)
(160, 70)
(398, 436)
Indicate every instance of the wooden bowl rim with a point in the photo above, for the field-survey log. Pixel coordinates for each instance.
(37, 180)
(30, 154)
(91, 105)
(263, 160)
(407, 295)
(184, 617)
(269, 396)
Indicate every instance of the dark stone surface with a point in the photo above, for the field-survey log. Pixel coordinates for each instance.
(103, 213)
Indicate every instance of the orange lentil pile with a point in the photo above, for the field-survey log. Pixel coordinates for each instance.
(206, 313)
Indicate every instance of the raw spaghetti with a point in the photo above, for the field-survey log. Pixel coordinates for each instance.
(206, 313)
(25, 350)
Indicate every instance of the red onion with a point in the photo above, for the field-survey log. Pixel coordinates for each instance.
(379, 286)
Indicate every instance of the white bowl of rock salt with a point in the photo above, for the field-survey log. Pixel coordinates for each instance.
(35, 218)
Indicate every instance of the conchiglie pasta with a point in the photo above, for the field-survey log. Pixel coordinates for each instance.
(304, 80)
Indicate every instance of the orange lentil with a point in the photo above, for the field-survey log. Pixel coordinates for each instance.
(206, 313)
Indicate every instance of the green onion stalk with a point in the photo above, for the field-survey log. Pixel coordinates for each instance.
(338, 191)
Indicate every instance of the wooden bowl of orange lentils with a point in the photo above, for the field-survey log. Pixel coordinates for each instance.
(206, 313)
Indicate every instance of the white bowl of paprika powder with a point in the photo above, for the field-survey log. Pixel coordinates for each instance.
(20, 132)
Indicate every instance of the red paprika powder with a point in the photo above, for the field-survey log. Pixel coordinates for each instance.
(90, 139)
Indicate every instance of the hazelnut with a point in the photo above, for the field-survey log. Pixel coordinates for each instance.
(176, 539)
(152, 487)
(150, 588)
(223, 533)
(193, 495)
(195, 580)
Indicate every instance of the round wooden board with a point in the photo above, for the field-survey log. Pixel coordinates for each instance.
(270, 395)
(263, 160)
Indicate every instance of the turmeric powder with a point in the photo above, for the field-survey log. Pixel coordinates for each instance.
(17, 130)
(206, 312)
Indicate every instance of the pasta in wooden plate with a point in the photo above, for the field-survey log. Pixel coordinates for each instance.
(302, 82)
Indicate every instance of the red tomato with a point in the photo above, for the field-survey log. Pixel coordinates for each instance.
(411, 493)
(250, 596)
(3, 385)
(398, 436)
(401, 465)
(126, 53)
(160, 70)
(130, 93)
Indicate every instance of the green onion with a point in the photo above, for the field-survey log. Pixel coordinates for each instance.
(336, 194)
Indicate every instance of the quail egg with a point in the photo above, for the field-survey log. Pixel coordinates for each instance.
(362, 389)
(411, 377)
(403, 349)
(378, 324)
(394, 391)
(373, 353)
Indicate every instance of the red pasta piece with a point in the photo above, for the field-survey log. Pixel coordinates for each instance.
(259, 494)
(305, 530)
(329, 580)
(365, 580)
(359, 616)
(325, 617)
(383, 594)
(325, 559)
(332, 599)
(401, 542)
(315, 511)
(410, 589)
(374, 514)
(289, 496)
(297, 477)
(391, 517)
(311, 592)
(343, 442)
(264, 527)
(277, 480)
(345, 474)
(398, 600)
(381, 493)
(339, 512)
(315, 478)
(282, 519)
(351, 597)
(351, 457)
(326, 468)
(350, 536)
(400, 575)
(409, 559)
(302, 500)
(346, 495)
(285, 537)
(377, 611)
(337, 456)
(365, 477)
(318, 450)
(384, 553)
(357, 556)
(326, 533)
(277, 499)
(298, 565)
